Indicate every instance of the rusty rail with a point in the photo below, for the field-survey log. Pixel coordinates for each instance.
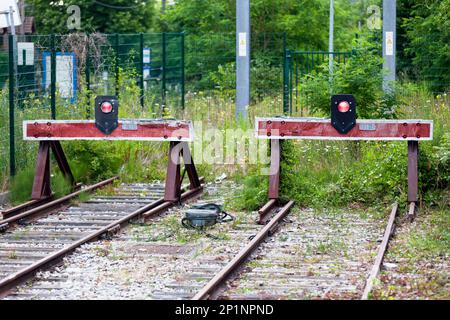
(5, 223)
(381, 252)
(147, 211)
(264, 211)
(207, 291)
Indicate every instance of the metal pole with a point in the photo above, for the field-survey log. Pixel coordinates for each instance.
(331, 38)
(182, 70)
(53, 76)
(286, 102)
(88, 79)
(11, 15)
(413, 173)
(389, 41)
(141, 80)
(242, 58)
(10, 21)
(116, 45)
(163, 71)
(12, 160)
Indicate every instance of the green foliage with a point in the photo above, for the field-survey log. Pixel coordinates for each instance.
(60, 185)
(20, 186)
(334, 174)
(253, 194)
(269, 78)
(425, 31)
(102, 16)
(361, 76)
(4, 68)
(93, 160)
(304, 21)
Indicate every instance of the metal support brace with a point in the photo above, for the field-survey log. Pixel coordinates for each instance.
(42, 184)
(413, 175)
(274, 174)
(173, 177)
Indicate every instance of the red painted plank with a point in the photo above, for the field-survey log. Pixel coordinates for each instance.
(153, 130)
(311, 128)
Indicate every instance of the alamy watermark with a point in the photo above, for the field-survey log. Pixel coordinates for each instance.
(74, 20)
(374, 20)
(233, 146)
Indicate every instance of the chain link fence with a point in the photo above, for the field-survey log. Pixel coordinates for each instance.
(58, 77)
(154, 75)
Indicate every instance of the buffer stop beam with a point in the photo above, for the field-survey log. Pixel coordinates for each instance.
(281, 128)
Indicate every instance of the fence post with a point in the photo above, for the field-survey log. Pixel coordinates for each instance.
(88, 79)
(163, 70)
(141, 55)
(285, 76)
(53, 76)
(12, 148)
(116, 47)
(182, 70)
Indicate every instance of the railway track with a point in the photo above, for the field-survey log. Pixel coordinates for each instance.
(304, 255)
(281, 267)
(29, 210)
(33, 240)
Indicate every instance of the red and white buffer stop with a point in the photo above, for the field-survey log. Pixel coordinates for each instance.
(322, 129)
(144, 130)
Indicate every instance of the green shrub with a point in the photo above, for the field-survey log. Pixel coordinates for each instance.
(267, 78)
(21, 185)
(361, 76)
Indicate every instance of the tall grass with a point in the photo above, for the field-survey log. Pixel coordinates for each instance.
(314, 172)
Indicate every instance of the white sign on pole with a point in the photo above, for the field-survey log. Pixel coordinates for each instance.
(389, 43)
(146, 55)
(28, 47)
(4, 8)
(65, 73)
(146, 73)
(242, 44)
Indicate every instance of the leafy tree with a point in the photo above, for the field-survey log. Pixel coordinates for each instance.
(102, 16)
(305, 22)
(361, 76)
(427, 30)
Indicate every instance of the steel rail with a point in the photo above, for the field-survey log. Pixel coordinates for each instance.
(7, 213)
(31, 204)
(265, 209)
(381, 252)
(5, 223)
(150, 209)
(207, 291)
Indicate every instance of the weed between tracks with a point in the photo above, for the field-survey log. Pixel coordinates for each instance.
(417, 260)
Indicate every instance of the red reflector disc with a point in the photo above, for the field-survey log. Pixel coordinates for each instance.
(343, 106)
(106, 107)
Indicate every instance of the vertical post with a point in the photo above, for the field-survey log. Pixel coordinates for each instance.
(53, 76)
(286, 102)
(116, 73)
(88, 79)
(141, 79)
(173, 177)
(41, 183)
(12, 160)
(413, 176)
(163, 71)
(389, 41)
(274, 174)
(331, 39)
(182, 70)
(242, 58)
